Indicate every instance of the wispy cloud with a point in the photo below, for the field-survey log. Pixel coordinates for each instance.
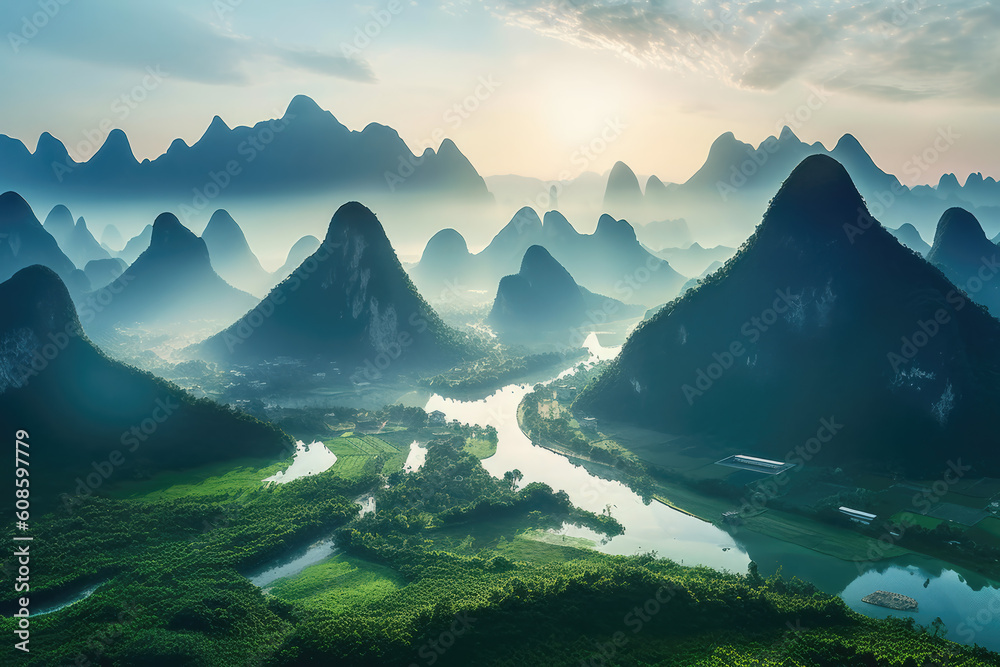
(895, 50)
(137, 34)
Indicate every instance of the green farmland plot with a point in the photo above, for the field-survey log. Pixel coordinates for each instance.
(356, 451)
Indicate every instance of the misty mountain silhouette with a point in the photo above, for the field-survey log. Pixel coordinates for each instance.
(977, 190)
(543, 298)
(172, 281)
(622, 193)
(59, 223)
(350, 302)
(99, 402)
(656, 192)
(24, 242)
(444, 265)
(910, 237)
(665, 234)
(83, 247)
(694, 282)
(136, 245)
(231, 255)
(297, 254)
(610, 261)
(75, 240)
(731, 189)
(111, 239)
(969, 259)
(100, 272)
(306, 150)
(802, 325)
(694, 259)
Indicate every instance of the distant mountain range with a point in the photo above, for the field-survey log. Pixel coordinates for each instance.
(349, 302)
(807, 331)
(732, 188)
(74, 239)
(171, 282)
(543, 298)
(306, 150)
(298, 253)
(724, 199)
(136, 245)
(910, 237)
(177, 274)
(694, 259)
(610, 261)
(88, 413)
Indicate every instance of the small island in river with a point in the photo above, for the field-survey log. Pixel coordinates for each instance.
(891, 600)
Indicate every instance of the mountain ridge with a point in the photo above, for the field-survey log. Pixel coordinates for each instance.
(350, 301)
(803, 323)
(306, 149)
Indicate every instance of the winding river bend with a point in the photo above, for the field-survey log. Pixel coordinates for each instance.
(968, 604)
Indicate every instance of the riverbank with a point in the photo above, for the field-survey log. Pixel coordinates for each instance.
(826, 539)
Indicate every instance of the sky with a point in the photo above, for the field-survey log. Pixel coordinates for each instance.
(542, 88)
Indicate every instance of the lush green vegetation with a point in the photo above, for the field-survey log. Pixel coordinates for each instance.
(455, 567)
(495, 370)
(357, 455)
(481, 448)
(339, 584)
(174, 592)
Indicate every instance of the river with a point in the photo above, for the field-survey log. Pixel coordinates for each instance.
(968, 604)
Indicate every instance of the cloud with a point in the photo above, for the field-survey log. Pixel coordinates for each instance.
(130, 34)
(908, 49)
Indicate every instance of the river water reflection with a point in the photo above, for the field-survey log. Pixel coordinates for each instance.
(968, 604)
